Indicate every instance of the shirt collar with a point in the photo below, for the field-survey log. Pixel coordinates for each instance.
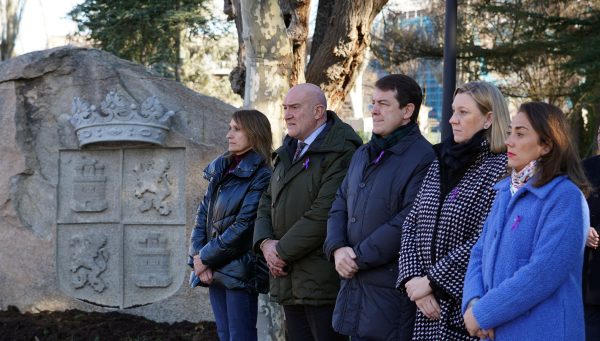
(313, 136)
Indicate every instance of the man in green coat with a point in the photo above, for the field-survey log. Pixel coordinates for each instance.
(292, 217)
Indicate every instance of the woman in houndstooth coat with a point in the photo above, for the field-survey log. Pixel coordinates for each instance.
(449, 211)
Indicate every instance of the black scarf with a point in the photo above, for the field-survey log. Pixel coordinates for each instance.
(456, 158)
(379, 143)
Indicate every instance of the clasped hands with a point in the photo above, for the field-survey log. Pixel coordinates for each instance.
(593, 239)
(419, 291)
(345, 262)
(274, 262)
(202, 270)
(473, 326)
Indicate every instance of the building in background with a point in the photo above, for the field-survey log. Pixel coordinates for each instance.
(413, 15)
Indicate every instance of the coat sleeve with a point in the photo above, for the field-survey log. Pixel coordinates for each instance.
(408, 263)
(473, 286)
(233, 242)
(337, 222)
(383, 244)
(557, 250)
(309, 232)
(448, 273)
(263, 227)
(198, 237)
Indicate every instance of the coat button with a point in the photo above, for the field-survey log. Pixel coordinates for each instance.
(353, 220)
(272, 205)
(361, 185)
(278, 178)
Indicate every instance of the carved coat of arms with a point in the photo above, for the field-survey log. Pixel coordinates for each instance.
(121, 212)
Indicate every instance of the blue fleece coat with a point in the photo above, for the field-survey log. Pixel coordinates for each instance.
(526, 266)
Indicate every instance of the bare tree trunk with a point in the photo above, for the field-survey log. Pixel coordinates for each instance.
(268, 68)
(237, 76)
(295, 16)
(10, 18)
(268, 60)
(322, 22)
(335, 61)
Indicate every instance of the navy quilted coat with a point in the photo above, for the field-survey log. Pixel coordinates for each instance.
(225, 223)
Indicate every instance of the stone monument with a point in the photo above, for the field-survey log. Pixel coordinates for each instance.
(120, 211)
(100, 178)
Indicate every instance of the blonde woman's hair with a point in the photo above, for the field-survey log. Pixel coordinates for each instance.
(489, 98)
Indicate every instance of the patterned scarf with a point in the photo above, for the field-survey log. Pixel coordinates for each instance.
(519, 179)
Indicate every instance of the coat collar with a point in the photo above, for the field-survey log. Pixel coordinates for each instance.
(248, 165)
(332, 139)
(244, 169)
(540, 192)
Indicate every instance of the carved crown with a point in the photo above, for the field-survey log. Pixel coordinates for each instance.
(120, 120)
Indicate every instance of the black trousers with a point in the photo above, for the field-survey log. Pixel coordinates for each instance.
(305, 323)
(592, 322)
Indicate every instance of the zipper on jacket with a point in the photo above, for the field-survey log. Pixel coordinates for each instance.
(209, 213)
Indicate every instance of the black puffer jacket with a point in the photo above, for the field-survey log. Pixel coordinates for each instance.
(225, 223)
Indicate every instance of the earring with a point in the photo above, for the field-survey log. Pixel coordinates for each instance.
(485, 126)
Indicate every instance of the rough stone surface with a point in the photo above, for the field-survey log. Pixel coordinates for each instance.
(36, 93)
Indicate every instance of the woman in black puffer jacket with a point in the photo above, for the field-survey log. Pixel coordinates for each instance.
(221, 242)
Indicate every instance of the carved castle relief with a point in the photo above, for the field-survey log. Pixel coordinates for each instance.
(153, 260)
(89, 187)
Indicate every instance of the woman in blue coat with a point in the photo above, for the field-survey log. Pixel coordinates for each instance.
(524, 276)
(221, 242)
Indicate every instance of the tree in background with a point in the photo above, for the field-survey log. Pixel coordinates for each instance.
(536, 50)
(154, 33)
(147, 32)
(10, 18)
(206, 63)
(341, 35)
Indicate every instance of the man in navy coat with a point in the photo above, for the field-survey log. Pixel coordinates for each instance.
(365, 222)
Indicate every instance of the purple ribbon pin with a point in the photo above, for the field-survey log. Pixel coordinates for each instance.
(306, 162)
(454, 194)
(376, 161)
(516, 223)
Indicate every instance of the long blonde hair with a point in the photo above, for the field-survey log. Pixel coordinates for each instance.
(489, 98)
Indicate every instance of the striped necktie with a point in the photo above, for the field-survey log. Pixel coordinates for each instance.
(299, 148)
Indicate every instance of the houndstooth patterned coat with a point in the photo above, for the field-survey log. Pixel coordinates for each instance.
(437, 241)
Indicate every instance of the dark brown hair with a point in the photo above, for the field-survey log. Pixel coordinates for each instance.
(258, 128)
(550, 123)
(407, 91)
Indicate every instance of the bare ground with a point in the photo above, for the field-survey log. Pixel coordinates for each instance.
(80, 325)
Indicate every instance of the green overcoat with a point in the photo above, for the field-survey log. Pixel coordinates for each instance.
(294, 210)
